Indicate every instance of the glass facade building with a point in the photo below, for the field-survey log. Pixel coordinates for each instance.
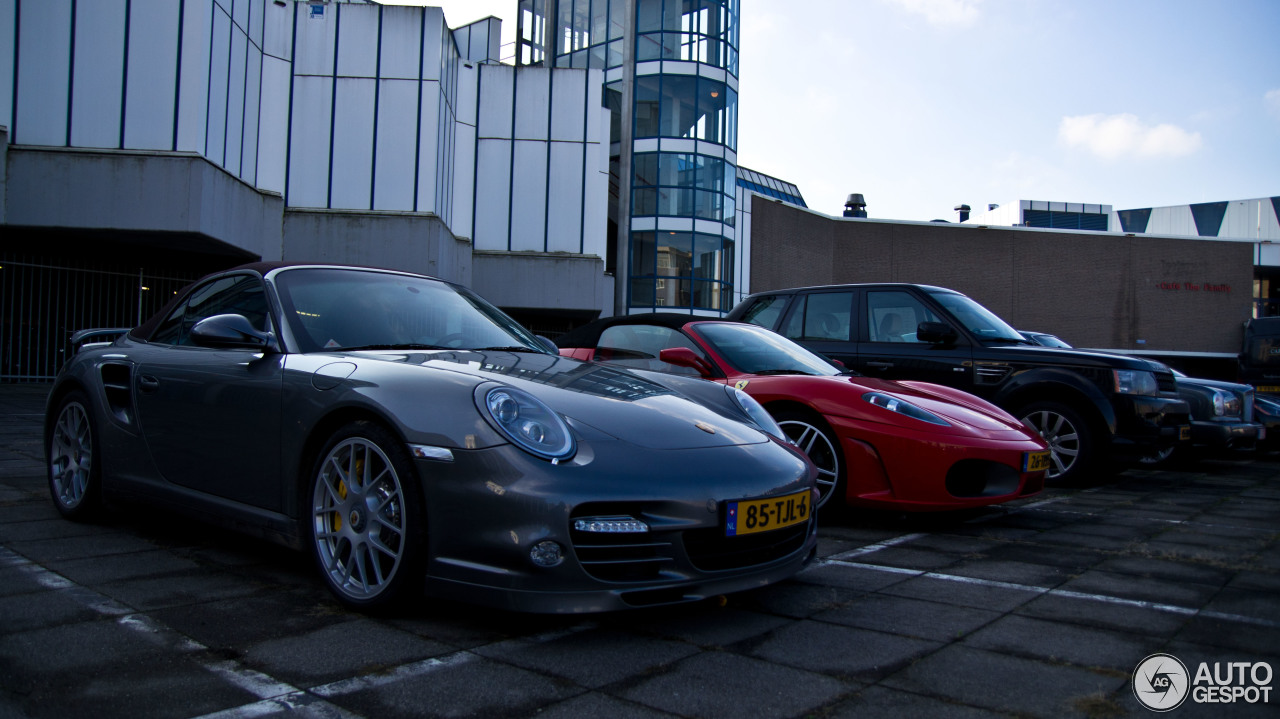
(671, 82)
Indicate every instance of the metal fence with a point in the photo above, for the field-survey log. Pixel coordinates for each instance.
(43, 300)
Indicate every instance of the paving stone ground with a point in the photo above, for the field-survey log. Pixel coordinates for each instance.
(1039, 608)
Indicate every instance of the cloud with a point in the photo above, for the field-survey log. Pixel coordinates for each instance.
(943, 13)
(1272, 101)
(1114, 136)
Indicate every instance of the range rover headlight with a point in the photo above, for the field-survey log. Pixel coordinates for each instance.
(757, 413)
(529, 423)
(901, 406)
(1226, 404)
(1132, 381)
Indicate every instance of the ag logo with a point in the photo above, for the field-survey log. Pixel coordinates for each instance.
(1160, 682)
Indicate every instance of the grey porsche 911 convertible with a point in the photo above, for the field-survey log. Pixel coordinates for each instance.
(410, 436)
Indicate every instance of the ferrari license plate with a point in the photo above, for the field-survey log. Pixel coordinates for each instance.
(1035, 461)
(763, 515)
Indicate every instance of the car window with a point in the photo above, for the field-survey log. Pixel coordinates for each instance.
(893, 315)
(638, 347)
(333, 309)
(765, 311)
(821, 316)
(237, 294)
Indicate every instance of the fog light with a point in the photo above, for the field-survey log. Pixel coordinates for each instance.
(546, 554)
(610, 525)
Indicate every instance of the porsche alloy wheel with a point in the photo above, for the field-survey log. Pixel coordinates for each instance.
(73, 473)
(365, 524)
(816, 440)
(1069, 438)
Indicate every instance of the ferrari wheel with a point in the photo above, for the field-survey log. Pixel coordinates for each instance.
(1069, 437)
(814, 437)
(365, 517)
(75, 473)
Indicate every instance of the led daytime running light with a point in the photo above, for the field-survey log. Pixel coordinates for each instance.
(610, 525)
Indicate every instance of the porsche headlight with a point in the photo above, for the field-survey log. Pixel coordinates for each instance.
(901, 406)
(1132, 381)
(529, 423)
(757, 413)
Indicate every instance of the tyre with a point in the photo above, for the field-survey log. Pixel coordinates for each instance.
(816, 439)
(365, 518)
(1071, 441)
(75, 469)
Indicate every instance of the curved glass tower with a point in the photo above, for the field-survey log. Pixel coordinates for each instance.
(671, 79)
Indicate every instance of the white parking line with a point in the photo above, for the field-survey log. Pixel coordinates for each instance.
(404, 671)
(877, 546)
(1103, 598)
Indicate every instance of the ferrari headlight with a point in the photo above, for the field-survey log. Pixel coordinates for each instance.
(757, 413)
(901, 406)
(1132, 381)
(529, 423)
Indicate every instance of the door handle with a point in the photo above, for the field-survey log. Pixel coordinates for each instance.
(147, 383)
(880, 365)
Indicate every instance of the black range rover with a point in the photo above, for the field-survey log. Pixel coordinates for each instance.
(1089, 406)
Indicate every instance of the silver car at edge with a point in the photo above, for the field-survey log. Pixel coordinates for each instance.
(410, 436)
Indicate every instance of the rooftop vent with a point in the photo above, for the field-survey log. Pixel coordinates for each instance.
(855, 206)
(964, 212)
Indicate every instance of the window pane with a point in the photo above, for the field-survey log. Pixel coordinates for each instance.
(640, 347)
(646, 169)
(675, 254)
(648, 15)
(893, 316)
(706, 256)
(617, 19)
(827, 316)
(642, 293)
(649, 47)
(679, 106)
(642, 253)
(644, 202)
(647, 94)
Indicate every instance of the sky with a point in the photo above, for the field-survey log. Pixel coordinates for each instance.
(922, 105)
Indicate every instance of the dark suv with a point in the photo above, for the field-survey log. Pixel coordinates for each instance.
(1089, 406)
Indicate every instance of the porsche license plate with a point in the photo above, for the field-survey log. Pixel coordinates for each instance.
(763, 515)
(1035, 461)
(1267, 389)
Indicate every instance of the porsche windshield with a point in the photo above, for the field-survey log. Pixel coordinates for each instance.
(979, 320)
(756, 350)
(335, 309)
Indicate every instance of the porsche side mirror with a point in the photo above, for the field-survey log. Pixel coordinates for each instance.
(547, 344)
(685, 357)
(938, 333)
(229, 331)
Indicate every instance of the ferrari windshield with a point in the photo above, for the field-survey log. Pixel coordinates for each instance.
(755, 350)
(979, 320)
(348, 309)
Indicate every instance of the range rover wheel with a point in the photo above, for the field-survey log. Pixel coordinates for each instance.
(1069, 437)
